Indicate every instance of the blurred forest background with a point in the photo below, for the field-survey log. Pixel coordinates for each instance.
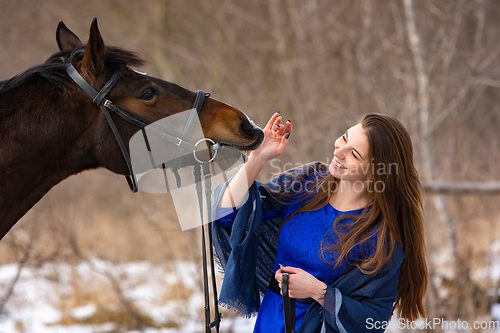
(432, 64)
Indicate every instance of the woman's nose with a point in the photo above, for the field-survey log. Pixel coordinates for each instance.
(338, 153)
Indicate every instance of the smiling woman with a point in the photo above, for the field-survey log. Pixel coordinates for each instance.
(353, 249)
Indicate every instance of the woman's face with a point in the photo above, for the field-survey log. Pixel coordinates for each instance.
(351, 159)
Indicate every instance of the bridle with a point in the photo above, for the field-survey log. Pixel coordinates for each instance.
(182, 142)
(168, 134)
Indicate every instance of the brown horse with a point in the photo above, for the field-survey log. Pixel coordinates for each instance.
(50, 128)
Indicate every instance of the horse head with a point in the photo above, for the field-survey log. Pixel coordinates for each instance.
(147, 96)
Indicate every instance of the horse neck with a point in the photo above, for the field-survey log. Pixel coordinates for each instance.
(42, 144)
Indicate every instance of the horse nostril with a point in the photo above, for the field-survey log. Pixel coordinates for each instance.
(247, 129)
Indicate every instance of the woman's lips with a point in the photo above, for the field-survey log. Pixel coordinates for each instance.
(338, 165)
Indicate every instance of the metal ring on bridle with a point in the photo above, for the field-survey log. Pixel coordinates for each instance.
(196, 144)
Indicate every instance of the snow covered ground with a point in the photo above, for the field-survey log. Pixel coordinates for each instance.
(44, 298)
(81, 297)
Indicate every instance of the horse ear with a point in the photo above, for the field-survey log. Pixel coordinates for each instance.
(66, 39)
(93, 58)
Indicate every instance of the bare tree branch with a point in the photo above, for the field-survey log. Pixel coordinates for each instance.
(426, 145)
(462, 187)
(20, 266)
(27, 253)
(486, 81)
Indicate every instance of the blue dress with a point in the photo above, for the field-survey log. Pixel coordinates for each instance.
(299, 244)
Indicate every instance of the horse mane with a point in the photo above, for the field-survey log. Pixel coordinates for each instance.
(54, 69)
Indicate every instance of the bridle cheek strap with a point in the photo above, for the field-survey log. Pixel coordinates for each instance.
(99, 99)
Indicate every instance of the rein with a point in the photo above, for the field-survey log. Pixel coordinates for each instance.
(179, 139)
(288, 305)
(208, 195)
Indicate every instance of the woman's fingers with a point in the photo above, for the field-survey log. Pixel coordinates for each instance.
(277, 275)
(286, 269)
(291, 270)
(288, 129)
(272, 122)
(277, 128)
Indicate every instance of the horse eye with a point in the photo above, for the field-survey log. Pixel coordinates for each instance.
(149, 94)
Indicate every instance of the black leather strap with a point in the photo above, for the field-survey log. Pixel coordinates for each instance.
(97, 98)
(131, 179)
(288, 305)
(107, 87)
(155, 128)
(188, 130)
(80, 81)
(208, 194)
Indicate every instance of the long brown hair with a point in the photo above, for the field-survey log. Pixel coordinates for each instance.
(395, 212)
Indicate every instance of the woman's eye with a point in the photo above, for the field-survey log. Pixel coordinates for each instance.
(343, 137)
(355, 156)
(148, 95)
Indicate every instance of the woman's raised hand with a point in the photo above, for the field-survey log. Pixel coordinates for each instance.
(276, 138)
(274, 144)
